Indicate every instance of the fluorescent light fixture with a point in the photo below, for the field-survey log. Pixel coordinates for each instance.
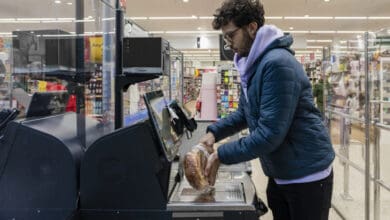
(350, 32)
(57, 1)
(304, 51)
(297, 32)
(139, 18)
(379, 18)
(350, 18)
(192, 32)
(156, 32)
(308, 18)
(206, 17)
(69, 3)
(173, 18)
(35, 19)
(326, 0)
(314, 47)
(7, 20)
(343, 42)
(274, 17)
(186, 1)
(58, 21)
(291, 28)
(26, 21)
(108, 19)
(85, 20)
(322, 32)
(319, 41)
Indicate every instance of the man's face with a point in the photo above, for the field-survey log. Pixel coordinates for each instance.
(237, 38)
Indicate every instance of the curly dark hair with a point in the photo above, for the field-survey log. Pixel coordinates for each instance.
(240, 12)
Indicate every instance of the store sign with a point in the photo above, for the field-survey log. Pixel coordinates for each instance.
(225, 52)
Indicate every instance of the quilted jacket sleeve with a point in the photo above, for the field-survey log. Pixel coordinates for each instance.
(230, 125)
(280, 93)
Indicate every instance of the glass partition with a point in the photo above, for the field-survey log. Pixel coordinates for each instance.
(59, 56)
(344, 86)
(357, 116)
(379, 60)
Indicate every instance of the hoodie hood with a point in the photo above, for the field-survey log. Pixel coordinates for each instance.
(267, 37)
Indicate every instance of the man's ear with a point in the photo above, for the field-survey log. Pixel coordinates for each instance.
(252, 29)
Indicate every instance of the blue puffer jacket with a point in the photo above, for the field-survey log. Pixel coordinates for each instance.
(286, 131)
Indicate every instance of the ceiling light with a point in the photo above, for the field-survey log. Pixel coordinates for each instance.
(319, 41)
(291, 28)
(298, 32)
(350, 18)
(306, 17)
(57, 1)
(69, 3)
(274, 18)
(138, 18)
(350, 32)
(186, 1)
(378, 18)
(192, 32)
(322, 32)
(172, 18)
(156, 32)
(326, 0)
(199, 28)
(314, 47)
(206, 17)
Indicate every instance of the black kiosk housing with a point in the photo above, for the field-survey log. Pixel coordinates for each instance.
(125, 174)
(39, 167)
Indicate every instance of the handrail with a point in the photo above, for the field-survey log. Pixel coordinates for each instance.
(380, 125)
(362, 170)
(346, 115)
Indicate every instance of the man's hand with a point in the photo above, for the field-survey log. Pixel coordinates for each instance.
(208, 141)
(212, 168)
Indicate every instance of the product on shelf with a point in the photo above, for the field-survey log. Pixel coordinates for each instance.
(385, 90)
(228, 91)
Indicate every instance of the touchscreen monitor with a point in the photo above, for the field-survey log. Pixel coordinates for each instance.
(47, 103)
(160, 117)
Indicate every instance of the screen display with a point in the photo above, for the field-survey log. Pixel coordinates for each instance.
(47, 103)
(160, 117)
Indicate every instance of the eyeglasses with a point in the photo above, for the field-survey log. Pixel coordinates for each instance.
(228, 36)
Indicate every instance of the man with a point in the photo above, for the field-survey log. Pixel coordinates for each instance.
(276, 103)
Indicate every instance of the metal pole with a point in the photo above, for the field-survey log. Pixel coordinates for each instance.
(367, 130)
(118, 65)
(345, 150)
(79, 91)
(377, 174)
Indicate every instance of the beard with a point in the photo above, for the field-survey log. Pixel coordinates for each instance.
(246, 45)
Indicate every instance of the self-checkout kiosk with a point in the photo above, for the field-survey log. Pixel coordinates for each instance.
(128, 175)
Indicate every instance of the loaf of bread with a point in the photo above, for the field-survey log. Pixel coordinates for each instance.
(195, 163)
